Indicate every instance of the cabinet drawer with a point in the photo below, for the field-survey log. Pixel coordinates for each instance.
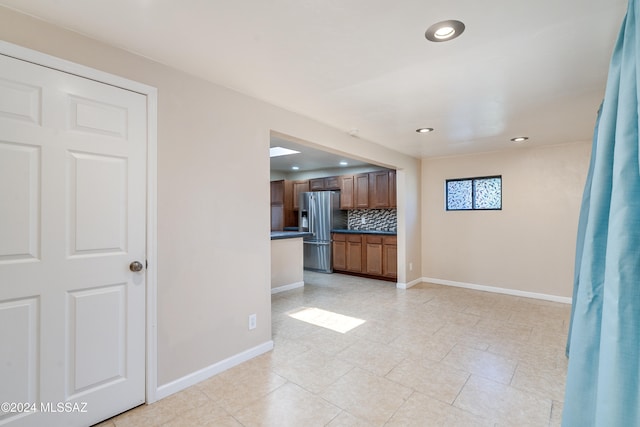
(338, 237)
(374, 239)
(356, 238)
(390, 240)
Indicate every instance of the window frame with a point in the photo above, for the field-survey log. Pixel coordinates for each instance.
(473, 196)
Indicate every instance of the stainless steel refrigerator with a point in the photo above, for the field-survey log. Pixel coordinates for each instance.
(319, 213)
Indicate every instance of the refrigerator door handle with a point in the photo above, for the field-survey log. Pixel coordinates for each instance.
(311, 214)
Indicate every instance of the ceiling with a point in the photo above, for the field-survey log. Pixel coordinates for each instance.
(308, 158)
(534, 68)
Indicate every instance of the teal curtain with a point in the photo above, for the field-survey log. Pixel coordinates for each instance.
(603, 379)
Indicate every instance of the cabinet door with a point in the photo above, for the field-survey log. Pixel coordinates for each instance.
(354, 253)
(339, 252)
(392, 189)
(332, 183)
(316, 184)
(277, 217)
(277, 192)
(390, 257)
(299, 187)
(346, 192)
(373, 256)
(290, 216)
(379, 189)
(277, 205)
(361, 191)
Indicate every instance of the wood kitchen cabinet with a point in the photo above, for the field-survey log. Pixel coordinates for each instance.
(382, 189)
(374, 190)
(292, 190)
(369, 255)
(347, 252)
(299, 187)
(373, 253)
(290, 216)
(390, 256)
(361, 191)
(323, 184)
(392, 189)
(354, 253)
(277, 192)
(346, 192)
(277, 205)
(339, 252)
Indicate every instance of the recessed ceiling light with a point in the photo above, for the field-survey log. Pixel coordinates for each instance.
(295, 168)
(444, 31)
(343, 163)
(281, 151)
(519, 139)
(424, 130)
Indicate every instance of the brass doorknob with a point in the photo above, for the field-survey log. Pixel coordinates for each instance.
(136, 266)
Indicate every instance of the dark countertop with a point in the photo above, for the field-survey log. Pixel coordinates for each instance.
(385, 233)
(276, 235)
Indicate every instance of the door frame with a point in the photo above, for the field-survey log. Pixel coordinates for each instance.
(151, 93)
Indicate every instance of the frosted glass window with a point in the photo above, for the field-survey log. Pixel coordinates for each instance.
(459, 195)
(483, 193)
(487, 193)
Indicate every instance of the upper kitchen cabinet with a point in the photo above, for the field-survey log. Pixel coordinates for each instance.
(299, 187)
(382, 189)
(277, 205)
(277, 192)
(292, 190)
(361, 191)
(322, 184)
(346, 192)
(392, 189)
(374, 190)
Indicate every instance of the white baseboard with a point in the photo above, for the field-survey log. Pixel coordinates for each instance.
(514, 292)
(287, 287)
(412, 283)
(205, 373)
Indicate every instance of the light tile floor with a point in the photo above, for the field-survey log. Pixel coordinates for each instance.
(427, 356)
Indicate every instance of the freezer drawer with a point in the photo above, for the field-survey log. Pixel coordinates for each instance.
(317, 256)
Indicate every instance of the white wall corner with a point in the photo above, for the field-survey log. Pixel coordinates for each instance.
(411, 284)
(180, 384)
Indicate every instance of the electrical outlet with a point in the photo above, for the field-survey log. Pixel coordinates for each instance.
(363, 220)
(252, 321)
(410, 266)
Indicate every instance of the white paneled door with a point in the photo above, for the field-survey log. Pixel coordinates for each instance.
(72, 221)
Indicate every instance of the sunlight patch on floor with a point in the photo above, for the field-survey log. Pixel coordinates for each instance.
(327, 319)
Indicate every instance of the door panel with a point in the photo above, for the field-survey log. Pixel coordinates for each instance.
(97, 335)
(20, 186)
(20, 101)
(19, 332)
(72, 219)
(98, 219)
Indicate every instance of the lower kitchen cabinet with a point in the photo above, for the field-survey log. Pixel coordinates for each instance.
(390, 256)
(373, 249)
(339, 252)
(354, 253)
(367, 255)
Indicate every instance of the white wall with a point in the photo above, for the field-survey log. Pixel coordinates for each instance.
(213, 197)
(527, 246)
(287, 262)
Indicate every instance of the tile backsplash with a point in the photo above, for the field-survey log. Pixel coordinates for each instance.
(374, 219)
